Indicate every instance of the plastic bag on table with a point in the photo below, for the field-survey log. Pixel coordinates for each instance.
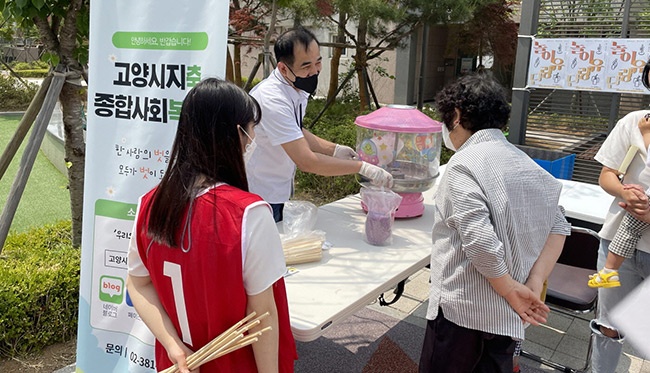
(300, 242)
(299, 217)
(381, 205)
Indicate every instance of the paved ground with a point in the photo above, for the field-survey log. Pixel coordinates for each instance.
(563, 339)
(381, 339)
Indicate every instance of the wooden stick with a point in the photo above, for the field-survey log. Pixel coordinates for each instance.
(245, 341)
(226, 341)
(219, 339)
(231, 349)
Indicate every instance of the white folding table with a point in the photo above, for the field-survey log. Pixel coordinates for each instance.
(353, 273)
(585, 201)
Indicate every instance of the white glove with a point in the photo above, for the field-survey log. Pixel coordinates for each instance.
(344, 152)
(377, 175)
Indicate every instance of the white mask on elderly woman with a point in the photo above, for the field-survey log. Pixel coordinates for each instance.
(446, 139)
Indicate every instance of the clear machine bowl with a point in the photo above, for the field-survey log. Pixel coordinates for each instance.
(409, 178)
(412, 158)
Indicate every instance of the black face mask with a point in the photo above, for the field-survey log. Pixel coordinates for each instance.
(307, 84)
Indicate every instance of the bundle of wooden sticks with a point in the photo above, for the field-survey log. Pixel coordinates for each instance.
(228, 341)
(304, 248)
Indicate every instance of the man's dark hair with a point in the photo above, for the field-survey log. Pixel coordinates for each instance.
(286, 42)
(481, 100)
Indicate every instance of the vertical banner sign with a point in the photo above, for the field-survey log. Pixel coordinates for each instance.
(144, 57)
(607, 65)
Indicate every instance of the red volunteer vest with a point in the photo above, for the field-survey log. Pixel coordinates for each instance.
(210, 273)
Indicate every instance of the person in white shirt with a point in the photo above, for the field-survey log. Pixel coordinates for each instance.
(626, 239)
(608, 342)
(497, 233)
(282, 142)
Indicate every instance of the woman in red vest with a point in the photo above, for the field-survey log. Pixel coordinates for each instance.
(205, 252)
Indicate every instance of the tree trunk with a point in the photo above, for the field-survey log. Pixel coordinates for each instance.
(70, 98)
(361, 61)
(237, 63)
(75, 154)
(336, 58)
(267, 39)
(229, 67)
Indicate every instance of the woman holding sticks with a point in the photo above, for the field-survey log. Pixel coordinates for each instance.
(204, 251)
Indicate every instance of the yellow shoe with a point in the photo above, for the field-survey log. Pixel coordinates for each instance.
(604, 280)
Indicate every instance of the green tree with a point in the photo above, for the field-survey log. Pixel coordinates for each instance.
(382, 25)
(246, 19)
(492, 31)
(63, 28)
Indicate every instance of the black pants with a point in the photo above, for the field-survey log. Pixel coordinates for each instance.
(449, 348)
(278, 208)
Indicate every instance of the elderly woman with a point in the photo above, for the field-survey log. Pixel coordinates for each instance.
(497, 232)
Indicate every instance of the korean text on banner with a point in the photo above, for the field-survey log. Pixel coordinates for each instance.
(144, 57)
(605, 65)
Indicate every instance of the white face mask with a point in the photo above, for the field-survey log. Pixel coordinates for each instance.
(446, 139)
(250, 147)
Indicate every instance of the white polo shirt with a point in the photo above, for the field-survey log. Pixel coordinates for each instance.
(270, 171)
(611, 154)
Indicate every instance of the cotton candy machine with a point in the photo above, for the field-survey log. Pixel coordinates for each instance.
(406, 143)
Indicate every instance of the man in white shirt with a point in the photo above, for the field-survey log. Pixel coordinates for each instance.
(282, 142)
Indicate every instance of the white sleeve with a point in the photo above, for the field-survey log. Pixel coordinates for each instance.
(136, 264)
(262, 256)
(625, 133)
(280, 119)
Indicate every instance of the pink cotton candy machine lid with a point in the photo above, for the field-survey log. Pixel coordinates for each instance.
(399, 118)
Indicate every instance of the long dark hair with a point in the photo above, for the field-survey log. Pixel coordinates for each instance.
(207, 150)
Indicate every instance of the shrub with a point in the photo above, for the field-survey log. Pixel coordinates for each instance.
(33, 65)
(13, 95)
(245, 79)
(336, 125)
(35, 73)
(20, 65)
(39, 289)
(34, 69)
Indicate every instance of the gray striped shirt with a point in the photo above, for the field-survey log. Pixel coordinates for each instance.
(494, 210)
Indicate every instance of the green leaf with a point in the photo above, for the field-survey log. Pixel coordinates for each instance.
(2, 5)
(50, 58)
(22, 3)
(38, 3)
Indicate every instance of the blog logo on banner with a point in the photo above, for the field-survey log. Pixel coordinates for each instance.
(144, 57)
(606, 65)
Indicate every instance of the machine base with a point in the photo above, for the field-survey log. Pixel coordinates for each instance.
(412, 205)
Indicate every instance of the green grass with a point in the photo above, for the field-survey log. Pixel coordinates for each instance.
(45, 199)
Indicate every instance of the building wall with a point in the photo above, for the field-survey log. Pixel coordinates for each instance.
(20, 54)
(440, 65)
